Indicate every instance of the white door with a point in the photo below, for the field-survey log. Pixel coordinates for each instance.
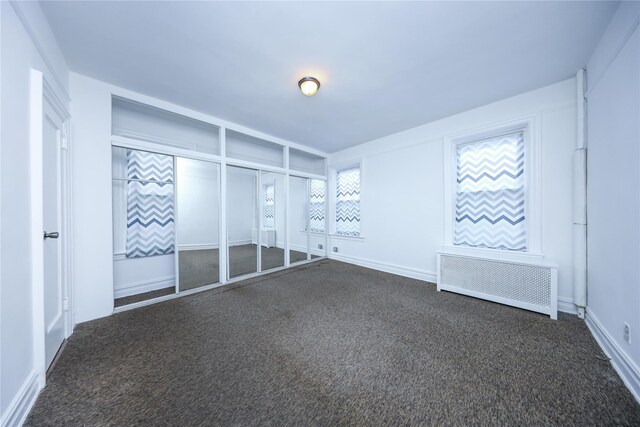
(54, 295)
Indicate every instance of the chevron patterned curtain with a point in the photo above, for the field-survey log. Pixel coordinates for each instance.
(150, 220)
(490, 200)
(317, 206)
(348, 202)
(269, 207)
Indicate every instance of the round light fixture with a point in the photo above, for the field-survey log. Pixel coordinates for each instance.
(309, 85)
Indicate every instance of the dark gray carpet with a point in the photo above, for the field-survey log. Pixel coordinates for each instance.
(198, 268)
(330, 343)
(271, 258)
(119, 302)
(243, 259)
(296, 256)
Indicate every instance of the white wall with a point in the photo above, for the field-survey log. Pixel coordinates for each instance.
(91, 171)
(25, 37)
(132, 276)
(613, 183)
(402, 187)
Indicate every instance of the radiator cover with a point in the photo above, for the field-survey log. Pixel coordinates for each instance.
(531, 285)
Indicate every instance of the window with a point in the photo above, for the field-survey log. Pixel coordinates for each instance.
(269, 207)
(490, 193)
(316, 206)
(348, 201)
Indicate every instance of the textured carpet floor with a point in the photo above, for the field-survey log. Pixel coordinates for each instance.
(330, 343)
(199, 268)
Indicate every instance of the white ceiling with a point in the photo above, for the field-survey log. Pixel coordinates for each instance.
(384, 67)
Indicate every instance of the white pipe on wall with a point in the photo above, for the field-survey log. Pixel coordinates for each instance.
(580, 201)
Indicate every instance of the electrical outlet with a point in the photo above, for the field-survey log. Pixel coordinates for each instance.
(319, 245)
(627, 333)
(335, 249)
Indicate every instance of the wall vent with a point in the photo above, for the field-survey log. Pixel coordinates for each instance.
(531, 285)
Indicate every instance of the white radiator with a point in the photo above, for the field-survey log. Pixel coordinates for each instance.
(531, 285)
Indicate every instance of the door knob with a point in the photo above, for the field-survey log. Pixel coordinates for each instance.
(52, 235)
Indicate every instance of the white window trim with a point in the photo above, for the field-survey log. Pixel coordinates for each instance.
(532, 184)
(331, 195)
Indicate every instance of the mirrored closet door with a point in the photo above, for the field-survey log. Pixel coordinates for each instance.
(143, 225)
(242, 220)
(298, 219)
(272, 230)
(198, 223)
(307, 207)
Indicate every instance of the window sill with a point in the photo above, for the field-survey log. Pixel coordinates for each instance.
(498, 254)
(346, 237)
(313, 233)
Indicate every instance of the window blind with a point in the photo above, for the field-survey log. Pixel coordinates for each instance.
(316, 206)
(150, 204)
(348, 202)
(269, 207)
(490, 196)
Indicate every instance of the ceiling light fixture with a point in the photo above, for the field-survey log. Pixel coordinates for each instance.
(309, 85)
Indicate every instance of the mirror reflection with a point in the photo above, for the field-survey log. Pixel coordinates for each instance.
(198, 206)
(272, 208)
(317, 209)
(242, 220)
(143, 225)
(307, 204)
(298, 219)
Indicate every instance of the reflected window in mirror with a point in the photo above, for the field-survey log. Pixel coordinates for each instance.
(269, 212)
(143, 225)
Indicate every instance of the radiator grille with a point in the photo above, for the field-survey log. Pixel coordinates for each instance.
(523, 283)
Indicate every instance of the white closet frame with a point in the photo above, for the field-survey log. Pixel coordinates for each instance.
(223, 161)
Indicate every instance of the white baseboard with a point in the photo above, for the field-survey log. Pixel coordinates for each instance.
(622, 363)
(198, 246)
(566, 305)
(414, 273)
(136, 288)
(299, 248)
(22, 403)
(240, 242)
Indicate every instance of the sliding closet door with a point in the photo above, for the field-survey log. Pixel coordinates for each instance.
(298, 219)
(242, 220)
(198, 209)
(272, 209)
(143, 225)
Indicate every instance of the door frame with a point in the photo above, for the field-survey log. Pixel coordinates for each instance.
(41, 92)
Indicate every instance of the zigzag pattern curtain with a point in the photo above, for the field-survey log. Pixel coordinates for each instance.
(348, 202)
(269, 207)
(490, 200)
(317, 206)
(150, 204)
